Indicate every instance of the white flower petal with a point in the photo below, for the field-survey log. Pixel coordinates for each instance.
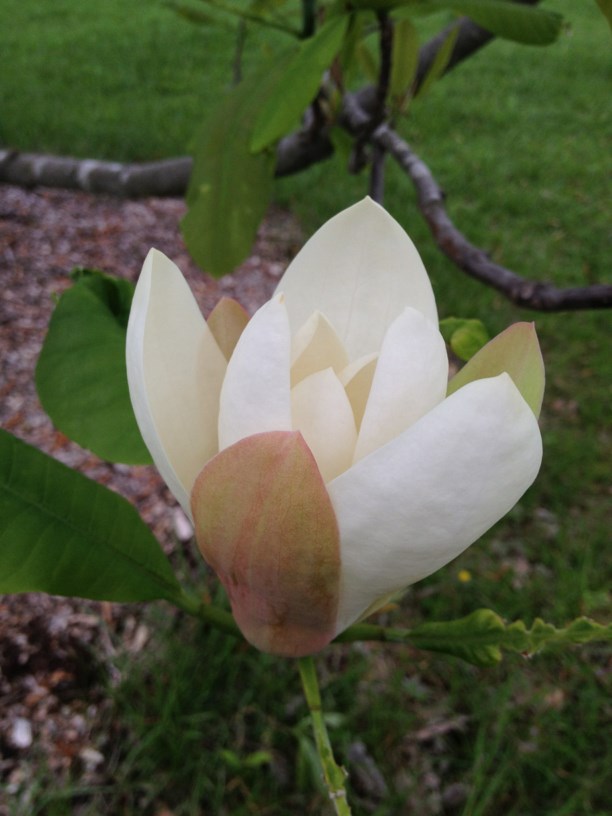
(361, 270)
(175, 370)
(316, 347)
(412, 506)
(410, 379)
(256, 390)
(357, 380)
(323, 415)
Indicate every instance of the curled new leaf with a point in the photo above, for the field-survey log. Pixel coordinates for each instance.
(481, 637)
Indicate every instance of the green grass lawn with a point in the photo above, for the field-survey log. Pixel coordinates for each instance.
(517, 137)
(109, 79)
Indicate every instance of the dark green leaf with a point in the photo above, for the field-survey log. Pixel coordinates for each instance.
(343, 144)
(64, 534)
(194, 15)
(368, 60)
(348, 55)
(405, 59)
(230, 187)
(528, 25)
(512, 21)
(298, 84)
(440, 61)
(81, 374)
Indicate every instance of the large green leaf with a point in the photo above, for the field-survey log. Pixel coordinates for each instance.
(511, 21)
(81, 374)
(405, 60)
(298, 84)
(230, 187)
(504, 18)
(440, 61)
(64, 534)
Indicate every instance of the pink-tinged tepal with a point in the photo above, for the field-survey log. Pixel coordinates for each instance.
(265, 524)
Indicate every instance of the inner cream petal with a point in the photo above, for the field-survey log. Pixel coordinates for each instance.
(175, 370)
(410, 379)
(316, 346)
(357, 381)
(255, 396)
(321, 411)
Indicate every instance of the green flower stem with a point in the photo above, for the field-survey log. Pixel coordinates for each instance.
(333, 774)
(370, 631)
(210, 613)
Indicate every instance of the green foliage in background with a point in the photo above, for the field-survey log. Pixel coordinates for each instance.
(292, 85)
(81, 377)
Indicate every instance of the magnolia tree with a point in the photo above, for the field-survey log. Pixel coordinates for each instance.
(319, 448)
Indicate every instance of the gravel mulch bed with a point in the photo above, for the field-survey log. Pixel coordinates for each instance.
(54, 651)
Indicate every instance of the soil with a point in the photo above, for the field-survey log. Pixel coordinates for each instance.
(56, 654)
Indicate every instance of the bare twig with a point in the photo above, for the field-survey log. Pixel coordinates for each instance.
(544, 297)
(377, 174)
(163, 178)
(377, 159)
(474, 261)
(169, 177)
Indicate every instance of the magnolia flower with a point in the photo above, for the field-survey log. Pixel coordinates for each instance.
(318, 448)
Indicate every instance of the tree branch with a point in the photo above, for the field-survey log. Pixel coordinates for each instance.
(530, 294)
(170, 177)
(379, 114)
(360, 116)
(377, 174)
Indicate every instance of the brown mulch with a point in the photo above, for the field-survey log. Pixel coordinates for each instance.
(55, 651)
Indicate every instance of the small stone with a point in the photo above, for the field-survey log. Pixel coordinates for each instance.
(182, 526)
(139, 641)
(91, 758)
(21, 733)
